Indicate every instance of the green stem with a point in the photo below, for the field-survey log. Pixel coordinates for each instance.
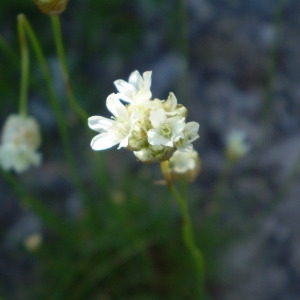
(218, 191)
(55, 20)
(189, 240)
(62, 126)
(24, 67)
(8, 51)
(64, 67)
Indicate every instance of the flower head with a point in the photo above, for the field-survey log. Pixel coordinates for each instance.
(152, 129)
(51, 7)
(20, 140)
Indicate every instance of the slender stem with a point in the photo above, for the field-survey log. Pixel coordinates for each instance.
(62, 126)
(64, 67)
(55, 20)
(8, 51)
(24, 67)
(189, 239)
(218, 191)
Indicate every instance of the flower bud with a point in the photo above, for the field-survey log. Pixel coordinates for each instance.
(154, 154)
(184, 165)
(51, 7)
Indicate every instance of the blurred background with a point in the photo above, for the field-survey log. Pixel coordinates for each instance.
(234, 65)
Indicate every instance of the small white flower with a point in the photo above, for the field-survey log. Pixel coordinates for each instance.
(166, 131)
(137, 89)
(236, 146)
(20, 140)
(112, 131)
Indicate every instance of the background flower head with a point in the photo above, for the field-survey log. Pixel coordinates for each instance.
(20, 140)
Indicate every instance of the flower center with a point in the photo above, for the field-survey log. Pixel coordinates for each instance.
(166, 130)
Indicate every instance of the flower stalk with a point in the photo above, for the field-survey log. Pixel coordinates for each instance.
(188, 237)
(155, 131)
(24, 67)
(55, 20)
(54, 102)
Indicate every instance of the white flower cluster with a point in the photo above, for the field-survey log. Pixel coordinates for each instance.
(20, 140)
(153, 129)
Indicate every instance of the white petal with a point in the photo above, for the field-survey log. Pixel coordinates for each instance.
(192, 127)
(147, 80)
(124, 142)
(98, 123)
(124, 87)
(104, 141)
(157, 117)
(156, 139)
(136, 80)
(116, 107)
(123, 97)
(191, 132)
(178, 124)
(170, 105)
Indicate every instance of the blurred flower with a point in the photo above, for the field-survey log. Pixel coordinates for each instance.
(33, 241)
(152, 129)
(236, 146)
(51, 7)
(20, 140)
(184, 165)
